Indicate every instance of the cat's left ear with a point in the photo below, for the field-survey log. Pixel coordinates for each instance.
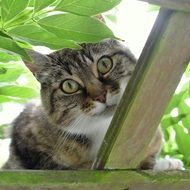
(38, 61)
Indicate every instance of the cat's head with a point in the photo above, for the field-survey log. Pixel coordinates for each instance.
(87, 82)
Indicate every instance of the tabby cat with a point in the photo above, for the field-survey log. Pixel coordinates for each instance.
(80, 90)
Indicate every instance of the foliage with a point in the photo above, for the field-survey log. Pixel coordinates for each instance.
(17, 84)
(44, 23)
(176, 122)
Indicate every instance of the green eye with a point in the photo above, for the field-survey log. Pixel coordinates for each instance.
(70, 86)
(105, 64)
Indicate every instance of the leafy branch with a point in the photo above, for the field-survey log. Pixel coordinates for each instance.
(70, 23)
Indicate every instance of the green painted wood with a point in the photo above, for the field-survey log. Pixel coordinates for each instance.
(86, 180)
(181, 5)
(158, 72)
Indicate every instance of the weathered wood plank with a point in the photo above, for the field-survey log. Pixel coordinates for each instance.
(182, 5)
(96, 180)
(156, 76)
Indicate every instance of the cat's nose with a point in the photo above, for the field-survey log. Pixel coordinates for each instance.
(101, 98)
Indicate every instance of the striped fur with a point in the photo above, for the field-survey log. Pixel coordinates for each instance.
(65, 131)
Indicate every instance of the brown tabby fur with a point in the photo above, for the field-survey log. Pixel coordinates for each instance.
(40, 139)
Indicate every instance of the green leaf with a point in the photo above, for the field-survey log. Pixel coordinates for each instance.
(6, 57)
(39, 36)
(11, 8)
(19, 19)
(41, 4)
(86, 7)
(169, 120)
(186, 122)
(31, 3)
(183, 140)
(2, 71)
(77, 28)
(12, 46)
(4, 35)
(185, 109)
(23, 44)
(175, 101)
(18, 91)
(182, 106)
(10, 74)
(4, 99)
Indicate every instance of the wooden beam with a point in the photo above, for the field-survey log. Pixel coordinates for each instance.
(158, 72)
(181, 5)
(96, 180)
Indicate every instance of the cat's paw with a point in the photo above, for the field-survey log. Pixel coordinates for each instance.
(168, 164)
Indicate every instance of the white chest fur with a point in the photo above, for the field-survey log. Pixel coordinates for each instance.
(94, 128)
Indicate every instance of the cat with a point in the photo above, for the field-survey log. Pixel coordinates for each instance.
(80, 90)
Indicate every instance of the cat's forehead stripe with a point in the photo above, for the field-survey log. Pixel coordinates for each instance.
(86, 54)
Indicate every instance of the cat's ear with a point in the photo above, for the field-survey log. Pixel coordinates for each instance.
(38, 61)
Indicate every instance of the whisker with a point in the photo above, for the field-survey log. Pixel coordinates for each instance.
(82, 130)
(65, 135)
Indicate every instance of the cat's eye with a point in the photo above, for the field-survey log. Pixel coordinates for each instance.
(70, 86)
(105, 64)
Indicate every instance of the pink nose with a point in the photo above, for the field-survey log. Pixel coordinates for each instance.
(101, 98)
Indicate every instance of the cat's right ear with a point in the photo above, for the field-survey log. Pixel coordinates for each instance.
(38, 61)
